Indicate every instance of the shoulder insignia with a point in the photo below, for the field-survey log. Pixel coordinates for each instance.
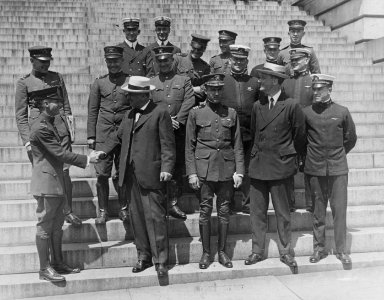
(43, 124)
(304, 46)
(286, 47)
(102, 76)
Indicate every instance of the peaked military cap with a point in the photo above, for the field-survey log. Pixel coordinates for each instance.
(131, 22)
(272, 42)
(299, 52)
(227, 35)
(163, 51)
(214, 79)
(274, 70)
(113, 52)
(40, 52)
(163, 21)
(320, 80)
(203, 40)
(239, 51)
(296, 24)
(51, 93)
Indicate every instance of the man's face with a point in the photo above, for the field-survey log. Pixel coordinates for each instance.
(321, 93)
(131, 33)
(114, 64)
(197, 50)
(271, 53)
(296, 35)
(214, 93)
(41, 66)
(165, 64)
(239, 64)
(52, 107)
(267, 82)
(299, 64)
(224, 45)
(162, 32)
(138, 100)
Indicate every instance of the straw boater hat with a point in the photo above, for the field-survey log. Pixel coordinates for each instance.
(138, 85)
(274, 70)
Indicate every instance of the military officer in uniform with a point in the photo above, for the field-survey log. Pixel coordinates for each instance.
(26, 113)
(220, 63)
(271, 50)
(240, 92)
(331, 135)
(215, 163)
(137, 58)
(176, 92)
(107, 105)
(48, 182)
(163, 29)
(296, 33)
(278, 135)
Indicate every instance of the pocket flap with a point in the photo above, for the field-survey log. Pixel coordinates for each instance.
(202, 154)
(227, 122)
(228, 154)
(203, 123)
(287, 151)
(49, 170)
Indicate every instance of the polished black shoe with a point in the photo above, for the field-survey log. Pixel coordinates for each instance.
(292, 209)
(225, 260)
(51, 275)
(161, 270)
(253, 259)
(73, 219)
(204, 261)
(289, 260)
(102, 218)
(246, 211)
(141, 265)
(177, 213)
(344, 258)
(64, 269)
(317, 256)
(123, 215)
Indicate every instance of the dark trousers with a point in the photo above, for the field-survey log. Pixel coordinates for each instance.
(334, 189)
(224, 193)
(259, 195)
(246, 184)
(50, 216)
(148, 220)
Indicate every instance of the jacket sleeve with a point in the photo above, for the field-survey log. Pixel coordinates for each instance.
(349, 132)
(314, 65)
(238, 147)
(190, 144)
(298, 129)
(253, 123)
(188, 102)
(93, 109)
(167, 142)
(150, 72)
(116, 137)
(21, 110)
(66, 105)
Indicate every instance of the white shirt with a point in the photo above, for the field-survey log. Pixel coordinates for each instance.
(130, 44)
(137, 116)
(160, 42)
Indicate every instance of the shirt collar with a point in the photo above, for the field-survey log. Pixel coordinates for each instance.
(145, 105)
(159, 42)
(275, 96)
(130, 44)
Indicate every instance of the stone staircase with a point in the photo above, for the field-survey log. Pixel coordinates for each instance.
(78, 31)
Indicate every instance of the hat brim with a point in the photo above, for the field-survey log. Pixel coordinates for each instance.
(273, 73)
(44, 58)
(113, 56)
(124, 87)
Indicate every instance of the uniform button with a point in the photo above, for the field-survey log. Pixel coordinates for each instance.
(169, 105)
(218, 149)
(115, 101)
(217, 121)
(167, 86)
(217, 140)
(168, 96)
(114, 113)
(217, 130)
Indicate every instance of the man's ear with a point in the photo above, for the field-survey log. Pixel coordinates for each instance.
(138, 32)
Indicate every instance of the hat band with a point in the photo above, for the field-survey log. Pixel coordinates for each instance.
(138, 88)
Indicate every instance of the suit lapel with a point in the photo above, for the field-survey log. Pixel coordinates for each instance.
(270, 115)
(144, 117)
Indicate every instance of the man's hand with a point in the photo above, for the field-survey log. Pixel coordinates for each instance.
(238, 180)
(197, 89)
(91, 144)
(95, 156)
(175, 124)
(165, 176)
(194, 181)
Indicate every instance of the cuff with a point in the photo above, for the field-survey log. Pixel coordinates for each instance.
(192, 176)
(88, 160)
(240, 175)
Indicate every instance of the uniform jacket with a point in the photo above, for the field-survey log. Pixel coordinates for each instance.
(49, 157)
(278, 136)
(193, 68)
(176, 92)
(284, 59)
(138, 61)
(107, 105)
(214, 149)
(27, 113)
(331, 135)
(149, 144)
(240, 93)
(155, 67)
(220, 64)
(299, 88)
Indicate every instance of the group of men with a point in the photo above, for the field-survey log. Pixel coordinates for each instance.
(161, 116)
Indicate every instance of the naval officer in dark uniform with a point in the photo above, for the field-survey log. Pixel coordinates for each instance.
(26, 113)
(271, 50)
(220, 63)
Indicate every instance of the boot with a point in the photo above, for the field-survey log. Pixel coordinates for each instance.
(57, 255)
(46, 271)
(122, 196)
(222, 240)
(102, 188)
(205, 234)
(174, 209)
(70, 217)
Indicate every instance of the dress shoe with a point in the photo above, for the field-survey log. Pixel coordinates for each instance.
(204, 261)
(161, 270)
(123, 215)
(141, 265)
(102, 218)
(51, 275)
(177, 213)
(317, 256)
(225, 260)
(344, 258)
(253, 259)
(73, 219)
(64, 269)
(292, 209)
(289, 260)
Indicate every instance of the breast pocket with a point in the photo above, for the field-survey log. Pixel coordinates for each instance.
(177, 93)
(158, 95)
(204, 129)
(227, 125)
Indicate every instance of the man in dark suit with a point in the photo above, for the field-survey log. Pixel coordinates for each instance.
(27, 113)
(107, 104)
(137, 58)
(220, 63)
(278, 134)
(48, 183)
(147, 160)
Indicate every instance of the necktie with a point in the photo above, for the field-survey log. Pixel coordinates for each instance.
(138, 113)
(271, 104)
(162, 43)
